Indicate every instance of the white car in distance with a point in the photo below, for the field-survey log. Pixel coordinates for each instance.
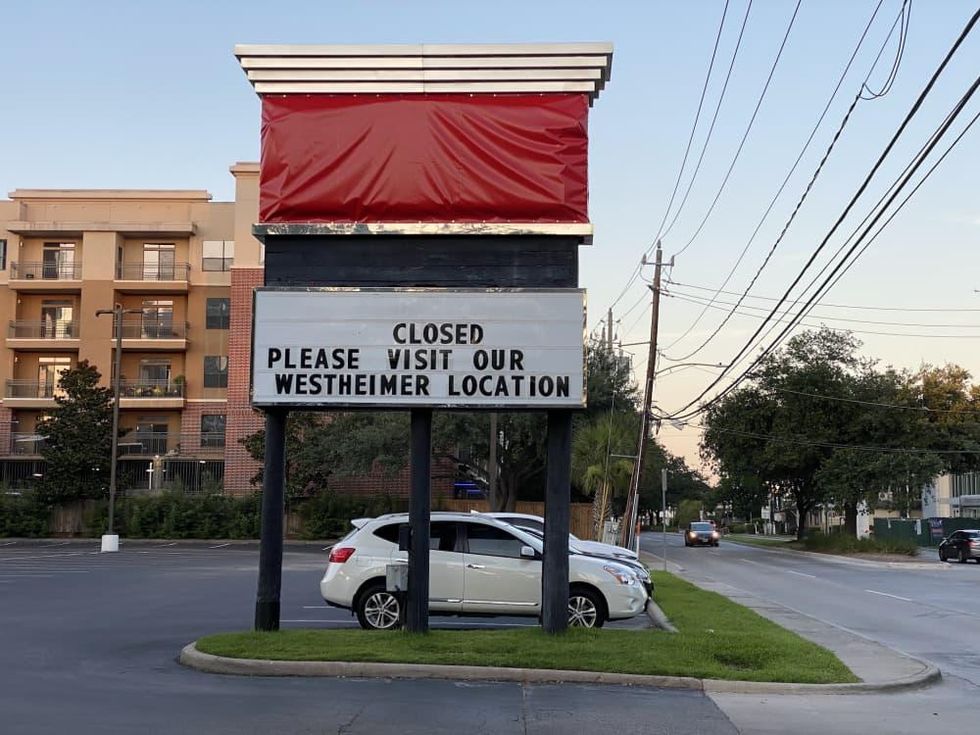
(536, 523)
(477, 566)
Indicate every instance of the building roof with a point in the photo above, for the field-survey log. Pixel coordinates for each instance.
(427, 68)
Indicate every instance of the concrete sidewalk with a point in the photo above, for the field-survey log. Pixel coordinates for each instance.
(880, 667)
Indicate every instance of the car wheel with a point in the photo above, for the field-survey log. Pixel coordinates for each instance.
(964, 557)
(586, 609)
(942, 555)
(378, 609)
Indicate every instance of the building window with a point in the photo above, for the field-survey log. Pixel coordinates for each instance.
(3, 255)
(213, 430)
(58, 260)
(218, 255)
(215, 371)
(158, 320)
(218, 313)
(159, 261)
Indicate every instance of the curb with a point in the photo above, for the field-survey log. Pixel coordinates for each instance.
(192, 658)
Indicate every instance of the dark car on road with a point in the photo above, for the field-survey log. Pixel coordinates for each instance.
(961, 545)
(701, 533)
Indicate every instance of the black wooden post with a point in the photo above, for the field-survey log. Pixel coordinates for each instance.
(270, 547)
(419, 506)
(554, 577)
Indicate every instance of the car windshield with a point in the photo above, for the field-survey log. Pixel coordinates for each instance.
(701, 527)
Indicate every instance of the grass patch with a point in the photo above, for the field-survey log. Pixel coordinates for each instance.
(718, 639)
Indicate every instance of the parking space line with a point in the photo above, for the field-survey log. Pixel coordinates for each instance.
(316, 607)
(9, 543)
(219, 546)
(885, 594)
(801, 574)
(163, 546)
(23, 576)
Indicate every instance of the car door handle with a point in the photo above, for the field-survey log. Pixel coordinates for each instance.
(476, 566)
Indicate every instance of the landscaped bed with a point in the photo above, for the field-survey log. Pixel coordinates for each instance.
(834, 543)
(717, 639)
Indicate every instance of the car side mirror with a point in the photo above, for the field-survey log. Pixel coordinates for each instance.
(528, 552)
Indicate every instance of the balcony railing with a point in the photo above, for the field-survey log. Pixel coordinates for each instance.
(150, 389)
(26, 443)
(147, 443)
(147, 329)
(147, 272)
(212, 439)
(136, 443)
(46, 271)
(22, 329)
(29, 389)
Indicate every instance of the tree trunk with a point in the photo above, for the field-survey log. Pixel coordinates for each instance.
(802, 512)
(506, 493)
(851, 519)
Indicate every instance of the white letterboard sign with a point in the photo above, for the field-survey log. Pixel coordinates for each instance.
(392, 348)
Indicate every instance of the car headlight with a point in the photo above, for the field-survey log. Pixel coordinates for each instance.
(622, 575)
(715, 534)
(692, 534)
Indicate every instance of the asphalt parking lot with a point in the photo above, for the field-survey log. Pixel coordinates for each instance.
(89, 644)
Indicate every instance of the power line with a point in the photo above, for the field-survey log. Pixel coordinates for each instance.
(878, 404)
(824, 286)
(918, 160)
(699, 300)
(828, 445)
(697, 117)
(806, 192)
(830, 306)
(714, 119)
(745, 135)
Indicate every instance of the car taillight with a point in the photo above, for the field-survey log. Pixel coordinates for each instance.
(340, 555)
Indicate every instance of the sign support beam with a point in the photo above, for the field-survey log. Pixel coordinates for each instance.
(419, 507)
(270, 548)
(554, 577)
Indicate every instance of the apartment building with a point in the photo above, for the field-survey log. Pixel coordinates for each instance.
(183, 267)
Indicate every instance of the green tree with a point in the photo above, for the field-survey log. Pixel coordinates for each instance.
(78, 438)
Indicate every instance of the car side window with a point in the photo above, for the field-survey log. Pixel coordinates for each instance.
(956, 536)
(442, 536)
(492, 541)
(388, 533)
(528, 523)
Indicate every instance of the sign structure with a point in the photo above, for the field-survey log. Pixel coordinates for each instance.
(406, 347)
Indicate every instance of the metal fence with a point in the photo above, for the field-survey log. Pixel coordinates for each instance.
(924, 531)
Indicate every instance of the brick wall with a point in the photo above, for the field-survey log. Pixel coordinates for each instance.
(241, 419)
(190, 424)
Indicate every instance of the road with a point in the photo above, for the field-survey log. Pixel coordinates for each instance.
(930, 610)
(88, 644)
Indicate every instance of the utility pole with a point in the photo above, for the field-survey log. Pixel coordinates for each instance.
(628, 532)
(609, 332)
(110, 540)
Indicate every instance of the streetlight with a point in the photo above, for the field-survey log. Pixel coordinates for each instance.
(110, 540)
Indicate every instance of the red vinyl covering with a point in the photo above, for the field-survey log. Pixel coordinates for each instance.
(429, 158)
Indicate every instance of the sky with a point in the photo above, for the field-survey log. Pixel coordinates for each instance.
(102, 94)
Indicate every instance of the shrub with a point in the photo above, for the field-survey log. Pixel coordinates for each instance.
(839, 542)
(174, 515)
(328, 514)
(23, 515)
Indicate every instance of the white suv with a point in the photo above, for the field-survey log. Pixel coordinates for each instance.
(477, 566)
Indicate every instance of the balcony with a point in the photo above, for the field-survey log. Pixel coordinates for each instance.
(26, 444)
(152, 278)
(151, 394)
(29, 394)
(137, 443)
(143, 334)
(43, 335)
(46, 277)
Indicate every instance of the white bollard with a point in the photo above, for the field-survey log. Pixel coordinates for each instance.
(110, 542)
